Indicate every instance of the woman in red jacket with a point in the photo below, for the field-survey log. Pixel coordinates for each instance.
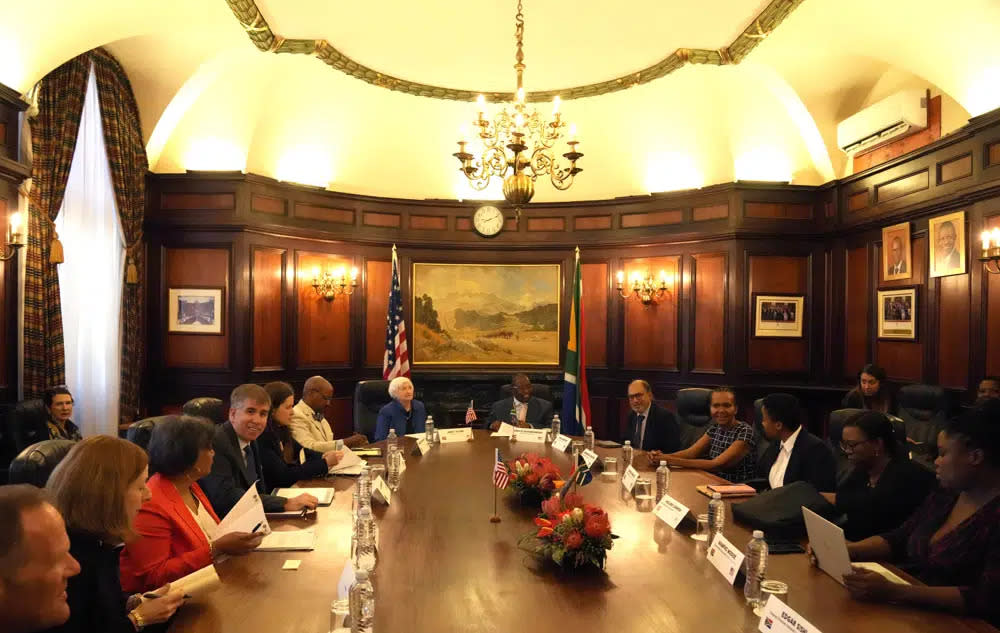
(177, 525)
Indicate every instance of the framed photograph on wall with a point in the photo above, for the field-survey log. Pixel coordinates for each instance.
(896, 259)
(897, 314)
(778, 315)
(947, 240)
(196, 311)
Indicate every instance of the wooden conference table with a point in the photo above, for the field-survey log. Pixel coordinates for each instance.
(444, 567)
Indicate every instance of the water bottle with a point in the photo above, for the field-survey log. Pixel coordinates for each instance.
(364, 549)
(365, 487)
(662, 480)
(626, 455)
(716, 516)
(588, 438)
(429, 429)
(391, 442)
(393, 468)
(556, 428)
(756, 570)
(362, 603)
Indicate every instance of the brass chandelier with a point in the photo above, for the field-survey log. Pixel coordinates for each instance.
(519, 141)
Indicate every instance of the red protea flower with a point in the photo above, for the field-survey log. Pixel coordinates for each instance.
(597, 526)
(552, 506)
(573, 500)
(573, 540)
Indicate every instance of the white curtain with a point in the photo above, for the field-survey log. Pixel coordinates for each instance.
(90, 279)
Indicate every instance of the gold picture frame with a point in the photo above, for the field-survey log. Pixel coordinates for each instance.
(897, 314)
(897, 256)
(946, 234)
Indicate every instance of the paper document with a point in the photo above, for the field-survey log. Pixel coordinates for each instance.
(198, 583)
(349, 464)
(370, 451)
(247, 514)
(288, 540)
(881, 571)
(828, 545)
(325, 495)
(505, 430)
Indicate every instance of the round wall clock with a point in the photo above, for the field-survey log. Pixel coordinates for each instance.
(488, 221)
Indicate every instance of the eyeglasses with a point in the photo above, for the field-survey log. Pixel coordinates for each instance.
(635, 396)
(848, 447)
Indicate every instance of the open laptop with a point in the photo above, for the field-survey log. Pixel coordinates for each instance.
(830, 548)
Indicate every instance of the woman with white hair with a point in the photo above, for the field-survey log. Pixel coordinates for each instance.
(404, 414)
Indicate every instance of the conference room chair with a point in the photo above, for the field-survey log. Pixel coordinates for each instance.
(35, 463)
(7, 450)
(211, 409)
(693, 413)
(369, 397)
(139, 432)
(758, 427)
(29, 423)
(924, 411)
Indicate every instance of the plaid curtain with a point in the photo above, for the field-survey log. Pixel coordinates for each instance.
(53, 141)
(127, 160)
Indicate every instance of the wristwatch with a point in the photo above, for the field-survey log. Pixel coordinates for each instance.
(137, 620)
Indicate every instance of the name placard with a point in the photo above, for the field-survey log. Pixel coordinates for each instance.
(670, 511)
(589, 457)
(423, 445)
(562, 442)
(725, 557)
(505, 430)
(778, 617)
(381, 491)
(628, 479)
(530, 435)
(448, 436)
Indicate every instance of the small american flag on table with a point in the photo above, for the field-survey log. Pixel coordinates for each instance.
(501, 476)
(470, 415)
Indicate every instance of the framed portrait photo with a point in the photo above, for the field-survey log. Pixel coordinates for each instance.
(196, 311)
(897, 314)
(778, 315)
(947, 240)
(896, 254)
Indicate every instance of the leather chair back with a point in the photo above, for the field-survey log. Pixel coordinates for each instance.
(29, 423)
(693, 413)
(758, 428)
(369, 397)
(211, 409)
(35, 463)
(139, 432)
(835, 432)
(924, 411)
(538, 390)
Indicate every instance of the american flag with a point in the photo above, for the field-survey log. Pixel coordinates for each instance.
(500, 473)
(470, 415)
(396, 361)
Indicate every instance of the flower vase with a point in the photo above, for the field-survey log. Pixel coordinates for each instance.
(531, 497)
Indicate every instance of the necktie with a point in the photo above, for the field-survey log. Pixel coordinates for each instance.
(636, 441)
(318, 416)
(251, 462)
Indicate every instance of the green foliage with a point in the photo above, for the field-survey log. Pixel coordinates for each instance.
(543, 318)
(426, 314)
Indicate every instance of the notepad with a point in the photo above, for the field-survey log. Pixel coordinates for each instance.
(373, 451)
(324, 495)
(881, 571)
(289, 540)
(349, 464)
(733, 490)
(198, 583)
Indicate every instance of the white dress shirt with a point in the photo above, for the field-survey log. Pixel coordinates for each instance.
(520, 409)
(777, 475)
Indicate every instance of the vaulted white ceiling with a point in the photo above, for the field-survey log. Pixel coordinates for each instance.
(210, 100)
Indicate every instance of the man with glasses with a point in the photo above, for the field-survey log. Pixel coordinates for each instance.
(308, 426)
(650, 427)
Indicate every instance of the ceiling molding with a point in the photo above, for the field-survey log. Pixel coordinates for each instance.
(257, 29)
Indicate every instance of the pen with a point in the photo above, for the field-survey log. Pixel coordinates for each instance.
(256, 527)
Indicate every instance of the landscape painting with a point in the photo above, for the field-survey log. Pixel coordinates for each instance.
(486, 314)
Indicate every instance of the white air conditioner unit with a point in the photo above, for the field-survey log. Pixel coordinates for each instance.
(901, 114)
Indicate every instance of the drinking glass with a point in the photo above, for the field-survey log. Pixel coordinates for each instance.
(643, 493)
(339, 611)
(701, 532)
(577, 449)
(377, 470)
(610, 469)
(770, 588)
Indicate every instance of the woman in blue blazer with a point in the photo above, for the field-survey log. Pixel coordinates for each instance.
(404, 414)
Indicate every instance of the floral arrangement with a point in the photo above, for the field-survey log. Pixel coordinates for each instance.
(534, 478)
(573, 533)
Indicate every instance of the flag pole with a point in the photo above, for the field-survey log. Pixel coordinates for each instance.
(496, 517)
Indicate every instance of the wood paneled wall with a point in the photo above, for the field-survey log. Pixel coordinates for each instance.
(197, 268)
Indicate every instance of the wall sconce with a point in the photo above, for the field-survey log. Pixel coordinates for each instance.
(647, 290)
(328, 285)
(991, 251)
(17, 237)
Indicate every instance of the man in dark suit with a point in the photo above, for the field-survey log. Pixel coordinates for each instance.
(795, 454)
(651, 427)
(237, 463)
(529, 411)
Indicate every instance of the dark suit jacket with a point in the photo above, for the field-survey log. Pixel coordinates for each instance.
(393, 415)
(900, 490)
(229, 478)
(538, 415)
(280, 474)
(662, 431)
(96, 601)
(811, 460)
